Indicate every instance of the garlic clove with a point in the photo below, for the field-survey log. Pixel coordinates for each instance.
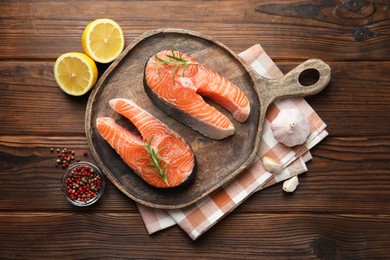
(271, 165)
(291, 184)
(290, 127)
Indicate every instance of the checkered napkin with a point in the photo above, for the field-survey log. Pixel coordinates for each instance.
(201, 216)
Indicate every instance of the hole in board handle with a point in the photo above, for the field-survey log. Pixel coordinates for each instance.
(309, 77)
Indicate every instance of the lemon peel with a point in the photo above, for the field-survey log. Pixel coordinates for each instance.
(75, 73)
(103, 40)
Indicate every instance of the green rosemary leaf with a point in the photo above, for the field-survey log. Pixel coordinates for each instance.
(161, 60)
(176, 61)
(184, 70)
(155, 161)
(179, 59)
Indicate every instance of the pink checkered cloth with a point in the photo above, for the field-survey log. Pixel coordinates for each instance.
(201, 216)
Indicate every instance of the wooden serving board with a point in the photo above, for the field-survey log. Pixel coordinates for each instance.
(218, 161)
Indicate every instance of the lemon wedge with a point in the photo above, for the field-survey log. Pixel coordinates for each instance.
(103, 40)
(75, 73)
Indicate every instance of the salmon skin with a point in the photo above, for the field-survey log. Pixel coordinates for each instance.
(176, 82)
(160, 157)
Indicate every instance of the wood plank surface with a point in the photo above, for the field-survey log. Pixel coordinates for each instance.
(340, 210)
(122, 235)
(357, 181)
(363, 93)
(287, 29)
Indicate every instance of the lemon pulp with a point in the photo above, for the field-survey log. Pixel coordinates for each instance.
(75, 73)
(103, 40)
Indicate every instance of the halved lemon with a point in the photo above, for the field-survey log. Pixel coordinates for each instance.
(103, 40)
(75, 73)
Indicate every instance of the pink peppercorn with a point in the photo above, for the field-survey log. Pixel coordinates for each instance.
(82, 184)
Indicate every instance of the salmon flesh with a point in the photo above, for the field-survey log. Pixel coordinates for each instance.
(159, 156)
(177, 83)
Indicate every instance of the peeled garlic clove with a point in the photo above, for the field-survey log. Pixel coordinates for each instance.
(290, 127)
(271, 165)
(291, 184)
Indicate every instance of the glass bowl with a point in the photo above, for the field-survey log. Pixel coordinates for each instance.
(82, 184)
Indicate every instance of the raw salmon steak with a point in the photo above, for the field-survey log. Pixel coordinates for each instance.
(176, 82)
(160, 157)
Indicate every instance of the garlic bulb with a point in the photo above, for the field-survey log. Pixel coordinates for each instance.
(291, 184)
(271, 165)
(290, 127)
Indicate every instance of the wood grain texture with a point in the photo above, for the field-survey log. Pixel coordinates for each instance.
(287, 29)
(354, 111)
(124, 79)
(348, 173)
(340, 209)
(123, 236)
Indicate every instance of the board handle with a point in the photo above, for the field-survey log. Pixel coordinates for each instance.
(291, 84)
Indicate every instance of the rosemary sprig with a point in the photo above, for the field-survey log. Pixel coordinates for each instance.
(155, 161)
(176, 61)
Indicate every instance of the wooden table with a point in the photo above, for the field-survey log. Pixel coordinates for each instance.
(341, 209)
